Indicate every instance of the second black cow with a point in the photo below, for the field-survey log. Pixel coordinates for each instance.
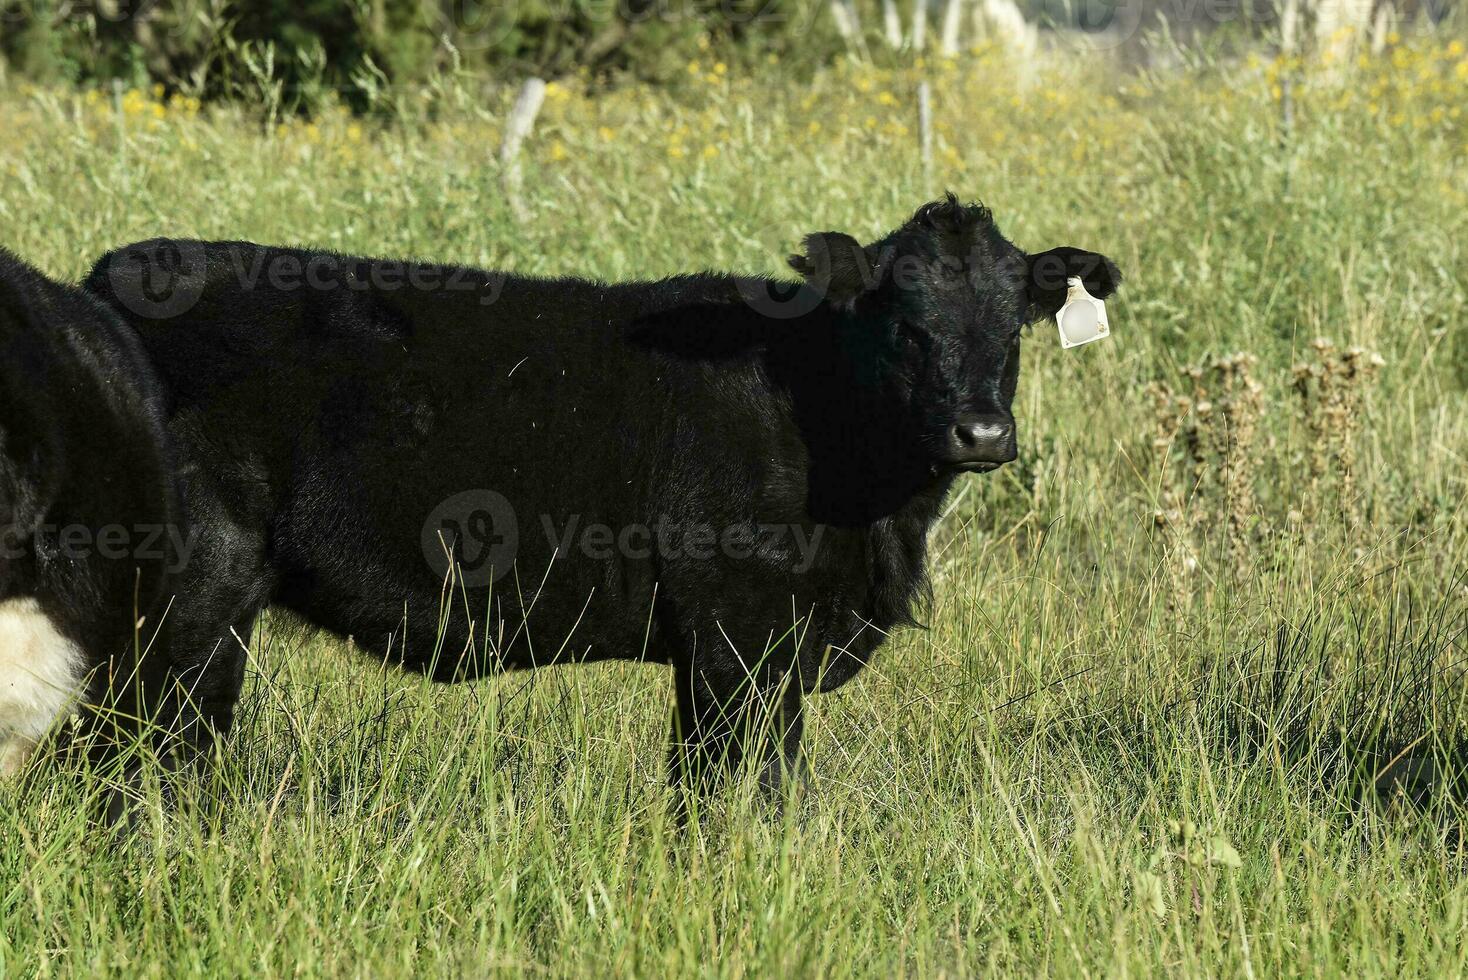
(468, 471)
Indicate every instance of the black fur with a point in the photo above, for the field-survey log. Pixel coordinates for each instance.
(333, 403)
(91, 519)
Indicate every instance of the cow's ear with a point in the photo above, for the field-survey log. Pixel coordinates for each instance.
(836, 265)
(1046, 274)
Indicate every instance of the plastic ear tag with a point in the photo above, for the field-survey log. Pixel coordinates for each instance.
(1083, 317)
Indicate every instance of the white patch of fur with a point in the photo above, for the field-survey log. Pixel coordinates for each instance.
(41, 673)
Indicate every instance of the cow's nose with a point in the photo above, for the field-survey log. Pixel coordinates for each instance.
(981, 441)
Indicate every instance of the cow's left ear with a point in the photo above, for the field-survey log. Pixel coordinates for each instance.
(836, 265)
(1046, 274)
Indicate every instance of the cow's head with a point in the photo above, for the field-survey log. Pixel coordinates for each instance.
(928, 323)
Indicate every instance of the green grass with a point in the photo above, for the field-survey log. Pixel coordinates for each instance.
(1118, 748)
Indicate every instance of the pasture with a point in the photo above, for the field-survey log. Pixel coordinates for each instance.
(1190, 697)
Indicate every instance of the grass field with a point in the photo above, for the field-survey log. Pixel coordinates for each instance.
(1191, 698)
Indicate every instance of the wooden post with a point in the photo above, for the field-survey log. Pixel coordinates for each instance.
(1289, 47)
(1289, 28)
(517, 128)
(848, 25)
(952, 21)
(1287, 106)
(1382, 24)
(925, 129)
(121, 122)
(891, 24)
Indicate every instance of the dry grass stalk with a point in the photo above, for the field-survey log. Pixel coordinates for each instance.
(1332, 390)
(1234, 431)
(1206, 442)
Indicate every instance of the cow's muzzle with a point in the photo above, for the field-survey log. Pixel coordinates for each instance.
(979, 443)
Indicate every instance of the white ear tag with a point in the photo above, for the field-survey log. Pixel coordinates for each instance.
(1083, 317)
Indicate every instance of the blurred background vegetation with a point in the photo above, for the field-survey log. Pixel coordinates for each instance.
(213, 48)
(216, 47)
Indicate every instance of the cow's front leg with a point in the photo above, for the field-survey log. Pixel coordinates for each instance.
(730, 718)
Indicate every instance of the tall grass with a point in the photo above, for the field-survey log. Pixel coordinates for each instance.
(1190, 697)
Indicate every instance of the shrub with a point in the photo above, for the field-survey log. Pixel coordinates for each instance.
(220, 47)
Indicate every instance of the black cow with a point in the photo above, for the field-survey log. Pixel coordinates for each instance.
(93, 536)
(732, 475)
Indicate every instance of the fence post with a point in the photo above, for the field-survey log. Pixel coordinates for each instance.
(121, 122)
(848, 25)
(517, 128)
(891, 24)
(925, 129)
(952, 24)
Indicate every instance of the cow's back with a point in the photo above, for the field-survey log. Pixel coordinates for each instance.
(374, 413)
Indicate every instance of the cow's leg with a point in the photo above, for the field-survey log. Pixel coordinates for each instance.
(207, 642)
(184, 706)
(730, 718)
(208, 691)
(194, 668)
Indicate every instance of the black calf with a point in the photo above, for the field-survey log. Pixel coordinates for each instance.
(470, 471)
